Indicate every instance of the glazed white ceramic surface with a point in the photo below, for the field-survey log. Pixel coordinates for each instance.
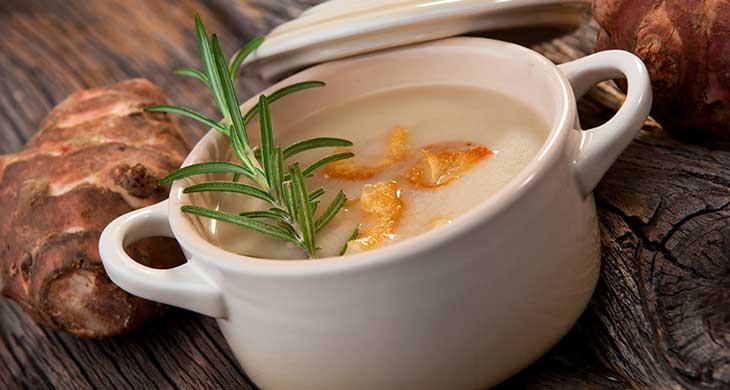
(464, 306)
(341, 28)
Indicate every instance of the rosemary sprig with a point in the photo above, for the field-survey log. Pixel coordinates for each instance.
(291, 206)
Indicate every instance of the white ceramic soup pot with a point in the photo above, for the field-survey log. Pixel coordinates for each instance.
(462, 306)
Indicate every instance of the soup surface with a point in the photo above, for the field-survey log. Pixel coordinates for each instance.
(423, 156)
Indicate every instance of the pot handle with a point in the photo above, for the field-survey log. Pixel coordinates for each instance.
(183, 286)
(601, 146)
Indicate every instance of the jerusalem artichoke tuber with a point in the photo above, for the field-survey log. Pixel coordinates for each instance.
(686, 47)
(98, 155)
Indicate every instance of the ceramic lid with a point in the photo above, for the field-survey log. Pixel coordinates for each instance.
(342, 28)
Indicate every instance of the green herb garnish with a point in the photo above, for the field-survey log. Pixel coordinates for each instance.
(290, 215)
(353, 235)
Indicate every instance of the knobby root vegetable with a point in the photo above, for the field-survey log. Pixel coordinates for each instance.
(686, 47)
(97, 155)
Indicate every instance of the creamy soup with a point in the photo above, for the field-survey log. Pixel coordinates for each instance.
(423, 157)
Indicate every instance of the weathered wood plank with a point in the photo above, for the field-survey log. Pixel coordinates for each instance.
(97, 43)
(37, 352)
(188, 357)
(659, 318)
(116, 363)
(13, 374)
(661, 315)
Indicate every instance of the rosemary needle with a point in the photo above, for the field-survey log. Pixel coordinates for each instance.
(291, 206)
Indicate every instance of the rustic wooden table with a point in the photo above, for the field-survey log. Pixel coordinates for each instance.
(660, 318)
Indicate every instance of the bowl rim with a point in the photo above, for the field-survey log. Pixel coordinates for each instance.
(201, 249)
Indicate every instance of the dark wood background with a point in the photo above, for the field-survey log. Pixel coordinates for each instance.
(660, 318)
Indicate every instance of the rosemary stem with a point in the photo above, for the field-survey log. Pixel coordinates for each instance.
(279, 203)
(263, 183)
(290, 216)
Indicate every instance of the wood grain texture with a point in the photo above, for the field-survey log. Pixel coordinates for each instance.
(660, 318)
